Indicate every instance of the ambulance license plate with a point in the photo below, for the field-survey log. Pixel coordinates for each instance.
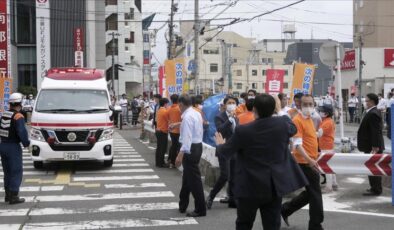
(71, 156)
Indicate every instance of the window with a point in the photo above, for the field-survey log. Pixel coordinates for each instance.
(254, 85)
(131, 39)
(235, 60)
(238, 85)
(25, 22)
(111, 2)
(213, 68)
(254, 72)
(126, 48)
(235, 45)
(211, 51)
(130, 15)
(361, 3)
(286, 72)
(263, 85)
(239, 72)
(264, 72)
(285, 85)
(126, 24)
(146, 37)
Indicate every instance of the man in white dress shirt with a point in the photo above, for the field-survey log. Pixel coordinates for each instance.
(191, 134)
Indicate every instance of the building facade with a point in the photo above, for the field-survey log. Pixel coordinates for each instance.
(124, 40)
(49, 33)
(373, 23)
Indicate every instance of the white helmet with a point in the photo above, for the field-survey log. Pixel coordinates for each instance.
(15, 98)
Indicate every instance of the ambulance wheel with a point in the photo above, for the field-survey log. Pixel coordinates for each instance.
(108, 163)
(38, 164)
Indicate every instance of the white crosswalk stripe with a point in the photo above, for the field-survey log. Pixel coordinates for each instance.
(130, 185)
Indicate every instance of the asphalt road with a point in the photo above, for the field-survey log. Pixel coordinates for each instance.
(133, 194)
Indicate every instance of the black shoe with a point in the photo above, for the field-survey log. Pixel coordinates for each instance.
(15, 199)
(195, 214)
(7, 196)
(285, 218)
(372, 193)
(209, 202)
(224, 200)
(181, 210)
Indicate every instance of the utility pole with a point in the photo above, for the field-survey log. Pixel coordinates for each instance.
(171, 31)
(230, 76)
(196, 43)
(113, 34)
(360, 74)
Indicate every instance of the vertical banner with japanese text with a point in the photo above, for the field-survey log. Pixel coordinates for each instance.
(161, 80)
(302, 79)
(175, 72)
(43, 38)
(78, 47)
(274, 81)
(5, 92)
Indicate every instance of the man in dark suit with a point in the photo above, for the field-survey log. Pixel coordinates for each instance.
(265, 169)
(225, 123)
(370, 138)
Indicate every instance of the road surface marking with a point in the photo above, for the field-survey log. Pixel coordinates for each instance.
(62, 178)
(110, 224)
(128, 156)
(115, 178)
(115, 171)
(131, 165)
(128, 160)
(142, 185)
(38, 188)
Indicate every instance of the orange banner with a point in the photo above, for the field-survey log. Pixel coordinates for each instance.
(302, 79)
(5, 92)
(175, 73)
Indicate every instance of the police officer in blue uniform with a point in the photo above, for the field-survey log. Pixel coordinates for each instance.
(12, 133)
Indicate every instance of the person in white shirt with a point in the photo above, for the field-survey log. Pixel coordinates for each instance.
(352, 105)
(382, 103)
(284, 103)
(191, 134)
(124, 105)
(27, 107)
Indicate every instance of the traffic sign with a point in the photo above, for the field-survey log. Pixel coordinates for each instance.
(328, 53)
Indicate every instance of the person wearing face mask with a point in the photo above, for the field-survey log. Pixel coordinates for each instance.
(162, 133)
(242, 104)
(306, 154)
(326, 135)
(370, 139)
(225, 123)
(28, 105)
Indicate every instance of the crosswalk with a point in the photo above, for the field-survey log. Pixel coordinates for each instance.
(128, 195)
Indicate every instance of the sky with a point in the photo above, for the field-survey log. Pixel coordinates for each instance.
(320, 19)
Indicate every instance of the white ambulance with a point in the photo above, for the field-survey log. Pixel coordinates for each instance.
(71, 118)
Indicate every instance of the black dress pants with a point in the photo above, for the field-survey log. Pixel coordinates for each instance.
(375, 182)
(269, 211)
(161, 149)
(223, 177)
(175, 146)
(191, 181)
(312, 196)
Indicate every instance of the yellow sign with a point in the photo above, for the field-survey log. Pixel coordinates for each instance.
(175, 73)
(302, 79)
(5, 92)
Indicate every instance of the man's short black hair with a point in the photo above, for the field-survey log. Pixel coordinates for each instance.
(249, 104)
(230, 97)
(197, 100)
(298, 96)
(163, 101)
(185, 100)
(308, 95)
(281, 96)
(244, 95)
(265, 105)
(158, 96)
(174, 98)
(253, 91)
(373, 97)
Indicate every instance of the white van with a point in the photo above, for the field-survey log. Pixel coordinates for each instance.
(71, 118)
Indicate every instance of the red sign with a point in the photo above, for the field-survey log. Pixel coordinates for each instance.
(161, 80)
(78, 39)
(388, 58)
(274, 82)
(3, 39)
(349, 61)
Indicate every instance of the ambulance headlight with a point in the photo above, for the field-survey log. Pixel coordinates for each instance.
(36, 134)
(107, 134)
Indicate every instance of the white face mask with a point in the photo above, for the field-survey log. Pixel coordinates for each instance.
(307, 111)
(323, 115)
(251, 97)
(199, 107)
(231, 108)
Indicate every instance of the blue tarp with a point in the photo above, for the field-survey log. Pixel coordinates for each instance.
(211, 109)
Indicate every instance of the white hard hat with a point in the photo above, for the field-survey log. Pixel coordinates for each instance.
(15, 98)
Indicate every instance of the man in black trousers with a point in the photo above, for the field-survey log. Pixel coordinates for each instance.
(225, 123)
(191, 134)
(370, 138)
(265, 169)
